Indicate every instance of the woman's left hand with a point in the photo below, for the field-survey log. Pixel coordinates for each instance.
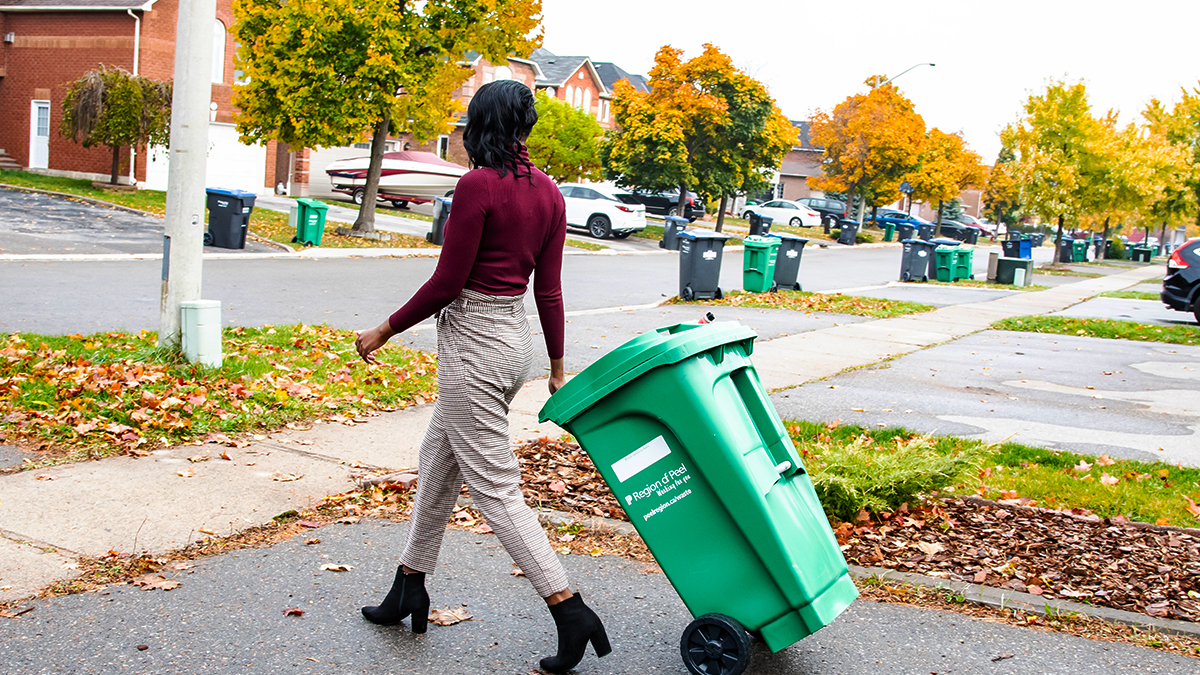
(372, 339)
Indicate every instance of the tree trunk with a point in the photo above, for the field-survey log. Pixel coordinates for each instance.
(721, 211)
(116, 164)
(681, 205)
(1104, 244)
(875, 215)
(937, 231)
(1162, 238)
(1058, 238)
(366, 213)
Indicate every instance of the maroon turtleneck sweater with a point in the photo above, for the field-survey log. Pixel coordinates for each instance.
(499, 231)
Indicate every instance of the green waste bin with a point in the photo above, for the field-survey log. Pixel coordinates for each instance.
(946, 260)
(758, 263)
(680, 427)
(964, 262)
(889, 231)
(309, 217)
(1080, 247)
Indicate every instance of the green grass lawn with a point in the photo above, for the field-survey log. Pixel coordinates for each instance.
(152, 201)
(587, 245)
(1132, 295)
(984, 283)
(103, 394)
(656, 232)
(273, 225)
(380, 207)
(1102, 328)
(1057, 270)
(815, 302)
(854, 466)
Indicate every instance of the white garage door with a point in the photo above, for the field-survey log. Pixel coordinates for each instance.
(230, 163)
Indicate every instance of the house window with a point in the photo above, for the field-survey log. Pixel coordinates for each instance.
(578, 101)
(550, 92)
(218, 59)
(363, 146)
(443, 146)
(504, 73)
(587, 100)
(603, 111)
(570, 94)
(487, 77)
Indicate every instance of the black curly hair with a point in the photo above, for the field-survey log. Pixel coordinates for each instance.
(499, 119)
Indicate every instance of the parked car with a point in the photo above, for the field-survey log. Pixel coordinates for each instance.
(603, 210)
(885, 217)
(954, 230)
(785, 212)
(1181, 286)
(972, 221)
(830, 209)
(667, 203)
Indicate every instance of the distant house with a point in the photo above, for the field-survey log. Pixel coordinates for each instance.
(611, 74)
(802, 162)
(574, 79)
(50, 43)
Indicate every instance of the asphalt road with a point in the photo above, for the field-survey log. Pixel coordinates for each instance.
(227, 617)
(1138, 400)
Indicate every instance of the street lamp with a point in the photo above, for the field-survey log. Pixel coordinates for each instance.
(894, 77)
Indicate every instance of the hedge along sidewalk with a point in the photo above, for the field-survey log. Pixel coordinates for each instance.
(793, 360)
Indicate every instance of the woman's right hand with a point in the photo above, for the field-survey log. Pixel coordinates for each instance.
(372, 339)
(558, 375)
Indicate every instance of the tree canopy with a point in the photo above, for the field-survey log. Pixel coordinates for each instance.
(944, 168)
(565, 142)
(871, 141)
(1002, 196)
(323, 72)
(110, 106)
(703, 125)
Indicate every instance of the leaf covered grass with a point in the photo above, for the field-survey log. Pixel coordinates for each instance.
(837, 303)
(855, 468)
(273, 225)
(153, 201)
(1132, 295)
(1057, 270)
(110, 393)
(586, 245)
(984, 283)
(1101, 328)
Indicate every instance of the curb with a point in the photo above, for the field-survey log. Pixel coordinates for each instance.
(1007, 599)
(89, 200)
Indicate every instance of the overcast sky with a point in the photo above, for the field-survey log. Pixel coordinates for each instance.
(990, 55)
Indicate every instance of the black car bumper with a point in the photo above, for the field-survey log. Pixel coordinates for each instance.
(1176, 298)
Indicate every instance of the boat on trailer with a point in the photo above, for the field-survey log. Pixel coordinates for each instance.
(407, 176)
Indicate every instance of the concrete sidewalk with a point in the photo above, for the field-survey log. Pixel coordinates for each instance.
(49, 516)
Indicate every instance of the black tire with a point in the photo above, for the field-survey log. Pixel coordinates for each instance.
(208, 239)
(449, 193)
(715, 644)
(687, 295)
(720, 294)
(621, 235)
(905, 276)
(400, 203)
(747, 213)
(673, 211)
(1195, 312)
(599, 226)
(357, 196)
(693, 219)
(796, 222)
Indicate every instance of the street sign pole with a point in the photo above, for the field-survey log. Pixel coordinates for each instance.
(183, 242)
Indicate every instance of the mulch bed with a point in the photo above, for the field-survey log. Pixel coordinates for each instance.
(1053, 554)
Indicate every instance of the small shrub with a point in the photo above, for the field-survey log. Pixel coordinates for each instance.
(1117, 250)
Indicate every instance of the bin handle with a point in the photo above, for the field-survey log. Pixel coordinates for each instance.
(774, 439)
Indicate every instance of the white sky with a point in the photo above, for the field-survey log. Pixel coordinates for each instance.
(990, 55)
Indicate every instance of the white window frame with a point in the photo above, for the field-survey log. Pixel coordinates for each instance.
(218, 44)
(443, 146)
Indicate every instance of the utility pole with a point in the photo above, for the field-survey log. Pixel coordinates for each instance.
(183, 243)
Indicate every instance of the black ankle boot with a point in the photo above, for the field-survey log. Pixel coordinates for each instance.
(407, 596)
(577, 624)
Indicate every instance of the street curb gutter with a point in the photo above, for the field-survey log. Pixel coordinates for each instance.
(89, 200)
(975, 593)
(1008, 599)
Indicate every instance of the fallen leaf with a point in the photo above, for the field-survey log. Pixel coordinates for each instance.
(517, 572)
(205, 530)
(1106, 479)
(1034, 590)
(150, 582)
(981, 576)
(44, 476)
(187, 473)
(225, 455)
(1082, 467)
(336, 568)
(1007, 655)
(1105, 460)
(930, 548)
(14, 613)
(558, 486)
(449, 617)
(286, 477)
(566, 537)
(198, 458)
(183, 566)
(312, 541)
(1191, 507)
(293, 611)
(308, 523)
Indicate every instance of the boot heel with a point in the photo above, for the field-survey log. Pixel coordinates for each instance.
(420, 619)
(600, 643)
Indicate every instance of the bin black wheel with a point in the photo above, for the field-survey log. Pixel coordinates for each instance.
(773, 289)
(905, 276)
(720, 294)
(687, 294)
(715, 644)
(621, 235)
(208, 238)
(357, 197)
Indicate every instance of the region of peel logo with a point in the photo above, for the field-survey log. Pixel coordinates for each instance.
(628, 500)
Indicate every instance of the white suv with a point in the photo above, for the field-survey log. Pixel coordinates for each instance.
(603, 210)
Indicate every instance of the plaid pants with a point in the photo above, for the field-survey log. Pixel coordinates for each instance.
(485, 354)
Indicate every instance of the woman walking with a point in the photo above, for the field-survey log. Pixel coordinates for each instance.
(508, 222)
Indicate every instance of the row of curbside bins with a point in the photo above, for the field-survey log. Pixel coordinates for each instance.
(770, 261)
(940, 259)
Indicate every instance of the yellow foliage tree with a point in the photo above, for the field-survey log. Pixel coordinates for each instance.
(945, 168)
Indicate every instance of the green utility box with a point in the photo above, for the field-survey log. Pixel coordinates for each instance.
(308, 217)
(680, 427)
(964, 262)
(758, 263)
(889, 231)
(947, 257)
(1080, 247)
(1006, 270)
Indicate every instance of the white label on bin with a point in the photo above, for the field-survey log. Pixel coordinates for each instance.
(640, 459)
(710, 255)
(792, 254)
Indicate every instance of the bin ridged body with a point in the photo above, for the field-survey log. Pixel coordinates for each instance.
(964, 262)
(787, 261)
(733, 534)
(914, 262)
(700, 264)
(758, 263)
(944, 270)
(310, 221)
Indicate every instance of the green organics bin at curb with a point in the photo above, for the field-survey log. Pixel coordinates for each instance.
(680, 427)
(308, 217)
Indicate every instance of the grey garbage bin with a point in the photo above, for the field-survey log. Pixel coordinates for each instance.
(228, 217)
(700, 264)
(672, 226)
(915, 261)
(849, 228)
(759, 225)
(1066, 250)
(971, 236)
(926, 231)
(787, 261)
(905, 231)
(441, 213)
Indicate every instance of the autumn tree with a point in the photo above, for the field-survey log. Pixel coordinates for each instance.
(1002, 196)
(110, 106)
(871, 141)
(703, 124)
(565, 142)
(945, 167)
(1180, 198)
(322, 72)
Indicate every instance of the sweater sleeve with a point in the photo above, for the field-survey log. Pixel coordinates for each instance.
(547, 284)
(463, 232)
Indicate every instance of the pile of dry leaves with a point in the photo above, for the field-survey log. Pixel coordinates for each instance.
(559, 475)
(1054, 554)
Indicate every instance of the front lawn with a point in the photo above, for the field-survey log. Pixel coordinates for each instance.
(837, 303)
(1101, 328)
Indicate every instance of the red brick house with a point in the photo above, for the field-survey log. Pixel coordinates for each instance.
(802, 162)
(574, 79)
(50, 43)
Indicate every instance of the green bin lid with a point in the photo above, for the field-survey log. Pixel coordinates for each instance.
(622, 365)
(314, 204)
(758, 241)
